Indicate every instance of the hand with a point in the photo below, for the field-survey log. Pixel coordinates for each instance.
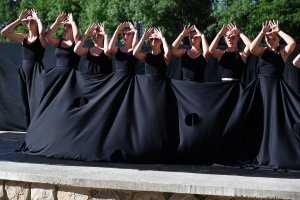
(199, 33)
(61, 18)
(148, 32)
(24, 14)
(233, 28)
(224, 30)
(158, 33)
(70, 18)
(132, 28)
(265, 27)
(186, 30)
(274, 26)
(89, 31)
(102, 29)
(121, 27)
(34, 14)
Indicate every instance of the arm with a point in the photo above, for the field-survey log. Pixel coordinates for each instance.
(7, 31)
(205, 46)
(79, 49)
(112, 45)
(213, 46)
(49, 35)
(168, 54)
(75, 30)
(179, 52)
(296, 61)
(254, 47)
(135, 40)
(41, 28)
(106, 40)
(137, 50)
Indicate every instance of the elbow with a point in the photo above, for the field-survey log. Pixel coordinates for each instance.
(4, 33)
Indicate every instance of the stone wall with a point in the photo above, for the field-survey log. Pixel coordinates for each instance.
(14, 190)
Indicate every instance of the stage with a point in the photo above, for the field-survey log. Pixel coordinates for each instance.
(29, 176)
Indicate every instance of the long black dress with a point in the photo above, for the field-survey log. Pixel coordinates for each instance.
(125, 61)
(33, 54)
(100, 64)
(66, 57)
(193, 68)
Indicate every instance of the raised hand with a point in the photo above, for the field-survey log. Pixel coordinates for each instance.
(148, 32)
(34, 14)
(199, 33)
(102, 29)
(89, 31)
(70, 18)
(121, 27)
(132, 28)
(233, 28)
(223, 30)
(24, 14)
(265, 27)
(158, 33)
(187, 29)
(61, 18)
(274, 26)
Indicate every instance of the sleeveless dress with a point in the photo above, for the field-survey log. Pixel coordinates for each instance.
(32, 60)
(231, 65)
(66, 57)
(100, 64)
(193, 68)
(155, 65)
(125, 61)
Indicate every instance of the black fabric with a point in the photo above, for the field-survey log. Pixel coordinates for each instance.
(125, 61)
(231, 65)
(271, 62)
(193, 68)
(160, 120)
(97, 64)
(33, 51)
(66, 57)
(155, 64)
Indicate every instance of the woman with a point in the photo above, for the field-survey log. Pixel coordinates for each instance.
(279, 145)
(158, 60)
(233, 60)
(65, 55)
(125, 61)
(194, 60)
(97, 58)
(33, 48)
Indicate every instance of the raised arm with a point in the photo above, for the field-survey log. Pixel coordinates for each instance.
(254, 47)
(296, 61)
(49, 35)
(7, 31)
(217, 53)
(79, 49)
(291, 44)
(137, 50)
(75, 30)
(112, 44)
(133, 30)
(41, 28)
(106, 40)
(179, 52)
(168, 54)
(205, 46)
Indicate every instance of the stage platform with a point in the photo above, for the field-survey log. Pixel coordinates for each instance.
(29, 177)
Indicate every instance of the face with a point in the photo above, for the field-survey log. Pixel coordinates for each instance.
(154, 41)
(231, 39)
(67, 29)
(31, 24)
(96, 36)
(194, 40)
(272, 40)
(127, 36)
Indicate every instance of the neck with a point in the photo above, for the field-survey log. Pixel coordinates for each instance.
(128, 45)
(196, 48)
(69, 38)
(32, 34)
(156, 51)
(232, 49)
(273, 48)
(99, 45)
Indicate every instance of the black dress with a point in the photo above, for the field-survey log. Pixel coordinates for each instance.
(155, 65)
(125, 61)
(100, 64)
(231, 65)
(66, 57)
(193, 68)
(32, 61)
